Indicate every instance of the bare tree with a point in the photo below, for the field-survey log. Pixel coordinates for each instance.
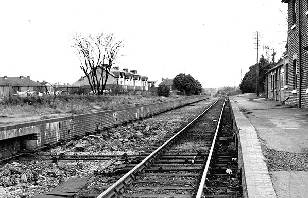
(97, 54)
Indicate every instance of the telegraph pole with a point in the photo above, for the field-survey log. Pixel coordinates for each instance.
(257, 65)
(273, 56)
(300, 54)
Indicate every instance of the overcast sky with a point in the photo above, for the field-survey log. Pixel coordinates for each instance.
(211, 40)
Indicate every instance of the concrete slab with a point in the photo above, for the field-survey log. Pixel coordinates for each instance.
(290, 184)
(281, 128)
(69, 188)
(283, 131)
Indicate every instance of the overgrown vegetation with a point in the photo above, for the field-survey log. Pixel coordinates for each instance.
(248, 84)
(19, 109)
(187, 84)
(163, 90)
(229, 91)
(86, 99)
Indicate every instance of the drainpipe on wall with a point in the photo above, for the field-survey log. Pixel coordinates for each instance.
(300, 54)
(266, 87)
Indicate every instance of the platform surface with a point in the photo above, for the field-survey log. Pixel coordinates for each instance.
(281, 133)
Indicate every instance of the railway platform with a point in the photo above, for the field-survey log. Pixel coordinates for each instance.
(274, 138)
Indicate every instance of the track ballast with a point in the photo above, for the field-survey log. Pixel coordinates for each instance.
(179, 167)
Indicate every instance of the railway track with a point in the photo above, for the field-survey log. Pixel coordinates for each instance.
(43, 154)
(180, 167)
(189, 163)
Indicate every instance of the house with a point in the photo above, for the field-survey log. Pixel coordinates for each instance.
(137, 83)
(123, 80)
(297, 46)
(151, 83)
(83, 81)
(144, 83)
(10, 85)
(130, 80)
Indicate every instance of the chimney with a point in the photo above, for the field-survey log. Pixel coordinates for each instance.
(133, 71)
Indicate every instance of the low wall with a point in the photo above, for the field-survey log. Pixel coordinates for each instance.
(36, 134)
(240, 153)
(255, 177)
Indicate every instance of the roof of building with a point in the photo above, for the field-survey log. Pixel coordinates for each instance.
(279, 64)
(128, 74)
(166, 81)
(144, 78)
(20, 81)
(285, 1)
(114, 72)
(81, 82)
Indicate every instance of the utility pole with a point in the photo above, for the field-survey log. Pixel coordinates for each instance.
(300, 53)
(257, 65)
(273, 56)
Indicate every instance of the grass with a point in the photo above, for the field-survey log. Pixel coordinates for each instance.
(48, 106)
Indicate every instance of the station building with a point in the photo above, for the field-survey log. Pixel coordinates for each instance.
(277, 82)
(295, 90)
(287, 81)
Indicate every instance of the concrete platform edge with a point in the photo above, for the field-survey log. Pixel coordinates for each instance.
(256, 180)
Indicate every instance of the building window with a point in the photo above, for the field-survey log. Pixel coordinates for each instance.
(294, 11)
(287, 72)
(276, 80)
(294, 74)
(272, 81)
(281, 78)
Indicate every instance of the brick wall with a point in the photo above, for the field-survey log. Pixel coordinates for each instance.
(293, 52)
(47, 132)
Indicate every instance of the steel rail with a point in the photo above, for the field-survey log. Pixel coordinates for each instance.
(118, 185)
(208, 161)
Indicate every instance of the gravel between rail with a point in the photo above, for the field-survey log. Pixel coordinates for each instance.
(25, 178)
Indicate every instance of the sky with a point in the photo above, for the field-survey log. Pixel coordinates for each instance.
(211, 40)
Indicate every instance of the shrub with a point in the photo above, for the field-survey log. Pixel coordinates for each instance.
(15, 100)
(30, 100)
(187, 84)
(248, 84)
(80, 90)
(163, 90)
